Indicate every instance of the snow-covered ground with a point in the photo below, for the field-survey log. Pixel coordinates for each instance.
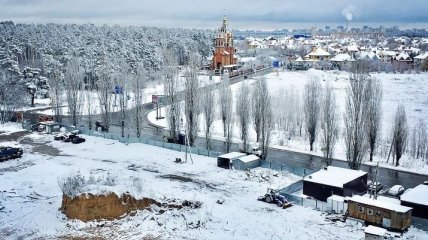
(30, 196)
(407, 89)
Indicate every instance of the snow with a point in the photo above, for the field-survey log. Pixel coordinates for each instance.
(342, 57)
(418, 195)
(249, 158)
(319, 52)
(334, 176)
(232, 155)
(422, 56)
(375, 230)
(30, 195)
(379, 203)
(407, 89)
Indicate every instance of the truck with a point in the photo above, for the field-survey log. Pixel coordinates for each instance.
(250, 149)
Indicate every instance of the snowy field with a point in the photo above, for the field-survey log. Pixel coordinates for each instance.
(30, 196)
(407, 89)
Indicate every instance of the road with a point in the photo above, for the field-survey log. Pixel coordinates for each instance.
(388, 177)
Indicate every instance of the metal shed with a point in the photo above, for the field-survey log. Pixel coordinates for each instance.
(50, 127)
(225, 160)
(334, 181)
(374, 233)
(417, 198)
(246, 162)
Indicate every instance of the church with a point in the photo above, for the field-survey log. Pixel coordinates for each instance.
(224, 51)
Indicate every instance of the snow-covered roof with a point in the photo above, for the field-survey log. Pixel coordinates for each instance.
(334, 176)
(380, 204)
(319, 52)
(299, 59)
(418, 195)
(352, 48)
(249, 158)
(422, 56)
(232, 155)
(343, 57)
(403, 57)
(375, 230)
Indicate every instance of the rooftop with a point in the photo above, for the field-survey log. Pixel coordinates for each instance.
(418, 195)
(249, 158)
(232, 155)
(380, 204)
(334, 176)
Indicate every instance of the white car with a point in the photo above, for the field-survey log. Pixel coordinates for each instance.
(396, 190)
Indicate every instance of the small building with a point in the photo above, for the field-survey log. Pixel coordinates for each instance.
(49, 127)
(334, 181)
(380, 213)
(374, 233)
(318, 54)
(246, 162)
(225, 160)
(417, 198)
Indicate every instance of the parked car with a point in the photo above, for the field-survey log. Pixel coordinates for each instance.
(77, 140)
(69, 137)
(375, 186)
(7, 153)
(396, 190)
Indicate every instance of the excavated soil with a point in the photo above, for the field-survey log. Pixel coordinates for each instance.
(89, 207)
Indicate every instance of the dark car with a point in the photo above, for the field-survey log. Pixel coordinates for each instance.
(375, 186)
(77, 140)
(7, 153)
(69, 138)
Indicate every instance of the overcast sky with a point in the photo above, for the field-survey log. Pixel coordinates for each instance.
(243, 14)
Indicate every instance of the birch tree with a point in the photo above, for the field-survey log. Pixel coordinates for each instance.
(73, 83)
(329, 123)
(312, 95)
(243, 108)
(56, 87)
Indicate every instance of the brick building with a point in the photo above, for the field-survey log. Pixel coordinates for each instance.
(224, 51)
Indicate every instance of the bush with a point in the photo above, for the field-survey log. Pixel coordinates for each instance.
(73, 185)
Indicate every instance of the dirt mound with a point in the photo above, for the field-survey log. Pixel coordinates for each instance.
(88, 207)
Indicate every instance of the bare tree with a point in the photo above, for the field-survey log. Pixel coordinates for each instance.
(171, 90)
(88, 96)
(329, 123)
(208, 110)
(373, 112)
(104, 87)
(121, 79)
(138, 78)
(400, 133)
(355, 118)
(56, 87)
(266, 117)
(419, 141)
(73, 82)
(243, 112)
(191, 106)
(311, 98)
(257, 107)
(225, 102)
(12, 91)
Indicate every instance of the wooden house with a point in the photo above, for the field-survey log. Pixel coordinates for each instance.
(379, 213)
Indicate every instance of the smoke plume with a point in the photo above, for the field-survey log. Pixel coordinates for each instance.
(350, 12)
